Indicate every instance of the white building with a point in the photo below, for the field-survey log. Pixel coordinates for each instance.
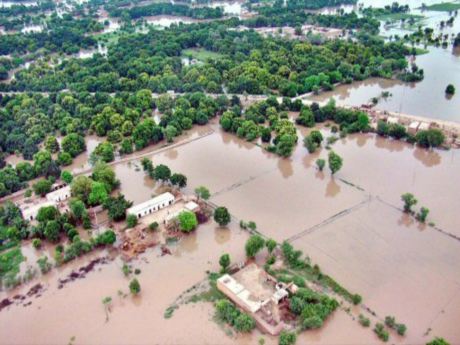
(59, 194)
(29, 212)
(152, 205)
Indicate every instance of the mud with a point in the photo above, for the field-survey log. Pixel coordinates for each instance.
(82, 271)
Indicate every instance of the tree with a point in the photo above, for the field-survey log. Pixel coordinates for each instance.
(67, 177)
(47, 213)
(253, 245)
(78, 209)
(103, 152)
(409, 201)
(335, 162)
(42, 162)
(74, 144)
(131, 221)
(81, 188)
(51, 144)
(52, 229)
(423, 213)
(134, 287)
(320, 163)
(271, 245)
(285, 145)
(64, 158)
(287, 338)
(187, 221)
(430, 138)
(221, 216)
(105, 174)
(224, 262)
(438, 341)
(161, 173)
(42, 187)
(178, 180)
(98, 194)
(117, 207)
(202, 192)
(244, 323)
(450, 89)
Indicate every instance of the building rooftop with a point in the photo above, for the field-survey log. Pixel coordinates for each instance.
(162, 198)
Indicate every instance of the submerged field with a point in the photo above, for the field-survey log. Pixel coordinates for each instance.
(350, 225)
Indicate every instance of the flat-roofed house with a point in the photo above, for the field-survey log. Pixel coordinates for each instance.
(59, 194)
(152, 205)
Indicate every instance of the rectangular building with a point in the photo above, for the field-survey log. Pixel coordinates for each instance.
(152, 205)
(59, 194)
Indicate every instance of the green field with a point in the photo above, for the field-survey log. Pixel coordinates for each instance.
(10, 260)
(444, 7)
(201, 54)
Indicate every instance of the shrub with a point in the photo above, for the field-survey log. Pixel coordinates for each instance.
(44, 265)
(244, 323)
(320, 163)
(253, 245)
(271, 245)
(287, 338)
(364, 321)
(36, 243)
(224, 262)
(381, 332)
(131, 221)
(221, 216)
(153, 226)
(401, 328)
(356, 299)
(187, 221)
(134, 287)
(438, 341)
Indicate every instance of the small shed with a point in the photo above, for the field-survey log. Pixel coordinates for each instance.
(413, 127)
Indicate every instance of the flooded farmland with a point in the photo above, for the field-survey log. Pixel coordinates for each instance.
(354, 233)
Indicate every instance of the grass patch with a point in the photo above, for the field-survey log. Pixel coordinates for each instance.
(9, 264)
(443, 7)
(201, 54)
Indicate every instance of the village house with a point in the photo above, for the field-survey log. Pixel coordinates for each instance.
(152, 205)
(260, 295)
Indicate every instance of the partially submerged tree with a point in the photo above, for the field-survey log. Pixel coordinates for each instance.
(222, 216)
(253, 245)
(202, 192)
(409, 201)
(335, 162)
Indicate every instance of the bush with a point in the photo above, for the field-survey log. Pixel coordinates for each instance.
(134, 287)
(287, 338)
(320, 163)
(153, 226)
(224, 262)
(44, 265)
(312, 322)
(430, 138)
(131, 221)
(187, 221)
(450, 89)
(36, 243)
(106, 238)
(438, 341)
(356, 299)
(221, 216)
(401, 328)
(253, 245)
(364, 321)
(381, 332)
(244, 323)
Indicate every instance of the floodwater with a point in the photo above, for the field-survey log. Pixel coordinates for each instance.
(355, 234)
(426, 98)
(162, 280)
(400, 268)
(31, 28)
(167, 21)
(17, 3)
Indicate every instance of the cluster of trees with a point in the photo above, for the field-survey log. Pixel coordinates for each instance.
(312, 307)
(410, 201)
(64, 34)
(249, 63)
(163, 173)
(230, 314)
(429, 138)
(166, 8)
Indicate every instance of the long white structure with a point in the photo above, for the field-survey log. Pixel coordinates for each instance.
(152, 205)
(59, 194)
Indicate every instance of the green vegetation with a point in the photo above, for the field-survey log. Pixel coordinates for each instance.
(201, 54)
(364, 321)
(187, 221)
(202, 192)
(131, 221)
(450, 89)
(381, 332)
(320, 163)
(222, 216)
(335, 162)
(9, 266)
(224, 262)
(409, 201)
(134, 287)
(228, 313)
(253, 245)
(287, 338)
(438, 341)
(442, 7)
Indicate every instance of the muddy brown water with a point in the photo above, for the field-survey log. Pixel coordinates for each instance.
(368, 246)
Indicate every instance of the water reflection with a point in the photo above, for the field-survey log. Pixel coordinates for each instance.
(429, 158)
(285, 167)
(332, 188)
(222, 235)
